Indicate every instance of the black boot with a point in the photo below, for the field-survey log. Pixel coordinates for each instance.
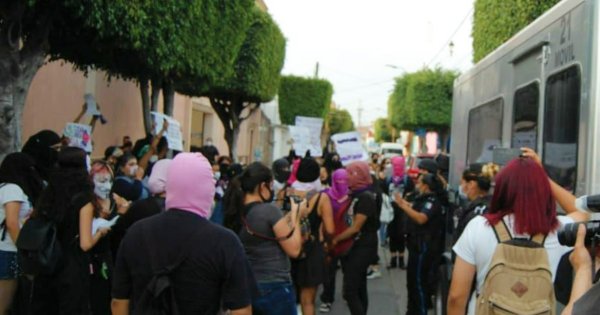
(393, 262)
(401, 264)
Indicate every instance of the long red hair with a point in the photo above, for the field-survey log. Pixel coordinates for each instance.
(522, 188)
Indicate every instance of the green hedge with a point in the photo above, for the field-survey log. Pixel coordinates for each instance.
(383, 130)
(422, 99)
(496, 21)
(339, 120)
(303, 97)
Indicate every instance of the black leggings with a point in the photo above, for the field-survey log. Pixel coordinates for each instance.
(355, 266)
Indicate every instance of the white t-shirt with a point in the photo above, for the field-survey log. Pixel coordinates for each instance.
(478, 242)
(11, 193)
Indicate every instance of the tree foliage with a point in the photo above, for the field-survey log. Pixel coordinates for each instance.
(339, 120)
(497, 21)
(303, 97)
(254, 78)
(383, 130)
(422, 99)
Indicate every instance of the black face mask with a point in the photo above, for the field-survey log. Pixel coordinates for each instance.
(223, 168)
(271, 197)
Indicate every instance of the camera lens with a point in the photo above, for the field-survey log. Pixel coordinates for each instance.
(568, 234)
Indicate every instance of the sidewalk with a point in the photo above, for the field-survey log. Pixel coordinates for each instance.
(387, 295)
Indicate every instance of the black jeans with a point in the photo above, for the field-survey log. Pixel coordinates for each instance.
(354, 266)
(328, 295)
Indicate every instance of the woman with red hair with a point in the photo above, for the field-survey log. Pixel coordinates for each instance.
(525, 201)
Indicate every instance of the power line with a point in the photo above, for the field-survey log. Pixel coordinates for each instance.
(451, 36)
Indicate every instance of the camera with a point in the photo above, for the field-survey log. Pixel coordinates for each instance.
(568, 234)
(287, 202)
(588, 203)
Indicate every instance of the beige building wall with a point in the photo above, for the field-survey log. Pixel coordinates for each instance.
(56, 97)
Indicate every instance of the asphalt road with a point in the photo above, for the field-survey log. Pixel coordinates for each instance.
(387, 295)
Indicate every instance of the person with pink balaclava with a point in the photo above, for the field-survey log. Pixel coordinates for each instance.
(209, 270)
(396, 229)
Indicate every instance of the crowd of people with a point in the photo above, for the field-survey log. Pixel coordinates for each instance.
(145, 229)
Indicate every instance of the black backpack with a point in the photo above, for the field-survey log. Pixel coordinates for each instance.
(158, 297)
(39, 250)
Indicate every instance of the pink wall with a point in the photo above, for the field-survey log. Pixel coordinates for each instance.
(56, 97)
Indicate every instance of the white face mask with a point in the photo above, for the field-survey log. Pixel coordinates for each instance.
(461, 193)
(102, 188)
(133, 170)
(153, 159)
(217, 175)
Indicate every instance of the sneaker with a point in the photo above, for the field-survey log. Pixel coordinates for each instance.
(325, 308)
(373, 274)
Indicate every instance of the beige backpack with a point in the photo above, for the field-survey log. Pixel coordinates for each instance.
(519, 280)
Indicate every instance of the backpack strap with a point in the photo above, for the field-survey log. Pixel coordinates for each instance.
(539, 239)
(502, 233)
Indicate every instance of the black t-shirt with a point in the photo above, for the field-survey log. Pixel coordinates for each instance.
(138, 210)
(365, 203)
(216, 271)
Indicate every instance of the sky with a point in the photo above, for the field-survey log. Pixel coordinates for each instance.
(362, 45)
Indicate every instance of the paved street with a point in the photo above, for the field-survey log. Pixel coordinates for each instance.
(387, 295)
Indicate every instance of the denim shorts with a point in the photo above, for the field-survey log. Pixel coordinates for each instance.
(277, 298)
(9, 269)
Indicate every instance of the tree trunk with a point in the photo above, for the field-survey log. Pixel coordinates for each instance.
(18, 66)
(156, 87)
(146, 105)
(168, 98)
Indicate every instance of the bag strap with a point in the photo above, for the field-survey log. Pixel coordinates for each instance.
(501, 232)
(539, 238)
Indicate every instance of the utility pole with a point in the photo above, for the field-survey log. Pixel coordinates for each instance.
(360, 111)
(317, 70)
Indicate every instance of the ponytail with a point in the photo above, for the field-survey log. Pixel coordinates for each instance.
(245, 183)
(233, 202)
(486, 177)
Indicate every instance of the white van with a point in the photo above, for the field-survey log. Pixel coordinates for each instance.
(390, 149)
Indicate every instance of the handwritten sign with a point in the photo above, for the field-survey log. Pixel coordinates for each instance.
(173, 134)
(301, 139)
(350, 148)
(315, 127)
(79, 136)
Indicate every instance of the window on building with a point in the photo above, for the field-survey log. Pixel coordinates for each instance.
(525, 116)
(485, 131)
(561, 126)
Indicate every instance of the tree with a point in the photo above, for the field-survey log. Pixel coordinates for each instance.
(423, 99)
(497, 21)
(339, 120)
(303, 97)
(254, 77)
(383, 130)
(198, 38)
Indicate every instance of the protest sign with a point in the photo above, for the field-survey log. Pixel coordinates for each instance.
(301, 138)
(173, 134)
(79, 136)
(349, 147)
(315, 127)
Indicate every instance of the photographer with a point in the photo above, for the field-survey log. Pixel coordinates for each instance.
(584, 297)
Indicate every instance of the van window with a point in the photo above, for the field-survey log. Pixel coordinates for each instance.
(561, 126)
(485, 131)
(525, 116)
